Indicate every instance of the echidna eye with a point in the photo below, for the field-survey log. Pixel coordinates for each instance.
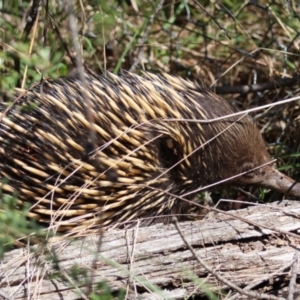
(249, 174)
(248, 167)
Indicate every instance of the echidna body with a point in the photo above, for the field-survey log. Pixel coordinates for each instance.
(140, 138)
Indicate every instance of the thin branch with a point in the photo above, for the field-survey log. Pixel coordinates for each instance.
(254, 295)
(246, 89)
(145, 36)
(30, 18)
(294, 272)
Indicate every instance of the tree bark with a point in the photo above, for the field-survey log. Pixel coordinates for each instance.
(155, 263)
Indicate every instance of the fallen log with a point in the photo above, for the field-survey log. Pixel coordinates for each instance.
(253, 247)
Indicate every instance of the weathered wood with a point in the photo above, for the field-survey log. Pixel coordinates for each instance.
(156, 255)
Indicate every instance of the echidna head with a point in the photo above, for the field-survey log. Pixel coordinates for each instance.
(236, 157)
(248, 161)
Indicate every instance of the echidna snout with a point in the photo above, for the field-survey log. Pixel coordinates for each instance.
(269, 177)
(258, 170)
(140, 134)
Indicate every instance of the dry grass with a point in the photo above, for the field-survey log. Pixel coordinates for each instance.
(245, 46)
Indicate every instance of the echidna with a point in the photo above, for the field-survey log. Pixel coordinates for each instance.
(141, 135)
